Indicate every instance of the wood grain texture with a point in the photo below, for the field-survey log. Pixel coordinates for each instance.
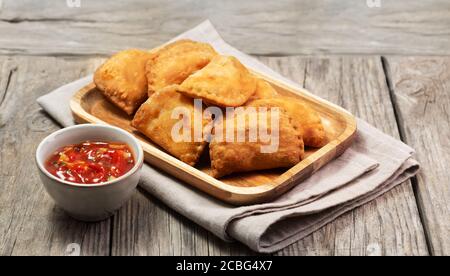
(33, 225)
(286, 27)
(421, 90)
(145, 226)
(389, 225)
(29, 221)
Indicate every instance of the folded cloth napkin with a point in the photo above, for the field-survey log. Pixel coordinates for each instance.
(373, 165)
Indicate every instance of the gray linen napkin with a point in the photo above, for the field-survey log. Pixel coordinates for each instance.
(373, 165)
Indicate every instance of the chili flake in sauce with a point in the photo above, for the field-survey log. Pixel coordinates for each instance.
(91, 162)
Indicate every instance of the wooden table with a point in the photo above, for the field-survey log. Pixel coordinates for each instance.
(380, 79)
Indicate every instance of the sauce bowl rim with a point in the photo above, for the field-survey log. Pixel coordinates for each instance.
(137, 166)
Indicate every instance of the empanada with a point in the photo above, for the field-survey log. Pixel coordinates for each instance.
(122, 79)
(248, 155)
(155, 120)
(303, 117)
(175, 62)
(264, 90)
(223, 82)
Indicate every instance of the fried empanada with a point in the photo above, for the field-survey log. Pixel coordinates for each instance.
(122, 79)
(248, 155)
(155, 120)
(264, 90)
(303, 117)
(175, 62)
(223, 82)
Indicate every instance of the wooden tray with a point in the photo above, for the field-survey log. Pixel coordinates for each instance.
(89, 106)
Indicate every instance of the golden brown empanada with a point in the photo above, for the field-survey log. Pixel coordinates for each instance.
(223, 82)
(122, 79)
(242, 156)
(175, 62)
(154, 119)
(303, 117)
(264, 90)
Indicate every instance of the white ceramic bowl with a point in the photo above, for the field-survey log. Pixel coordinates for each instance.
(93, 202)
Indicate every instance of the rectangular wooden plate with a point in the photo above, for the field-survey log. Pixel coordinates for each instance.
(89, 106)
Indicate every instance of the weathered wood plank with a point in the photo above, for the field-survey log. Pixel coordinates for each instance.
(390, 225)
(421, 87)
(287, 27)
(30, 224)
(145, 226)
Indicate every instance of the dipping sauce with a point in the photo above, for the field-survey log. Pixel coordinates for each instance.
(91, 162)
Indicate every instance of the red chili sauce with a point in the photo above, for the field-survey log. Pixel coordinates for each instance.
(91, 162)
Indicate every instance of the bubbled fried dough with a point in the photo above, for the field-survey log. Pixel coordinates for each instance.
(175, 62)
(264, 90)
(224, 82)
(122, 79)
(154, 120)
(303, 117)
(228, 157)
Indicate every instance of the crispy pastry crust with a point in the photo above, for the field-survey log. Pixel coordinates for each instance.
(154, 120)
(175, 62)
(303, 117)
(223, 82)
(230, 157)
(122, 79)
(264, 90)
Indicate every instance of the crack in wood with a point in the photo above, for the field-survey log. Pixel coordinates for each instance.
(111, 236)
(8, 82)
(401, 129)
(305, 74)
(421, 209)
(393, 99)
(45, 20)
